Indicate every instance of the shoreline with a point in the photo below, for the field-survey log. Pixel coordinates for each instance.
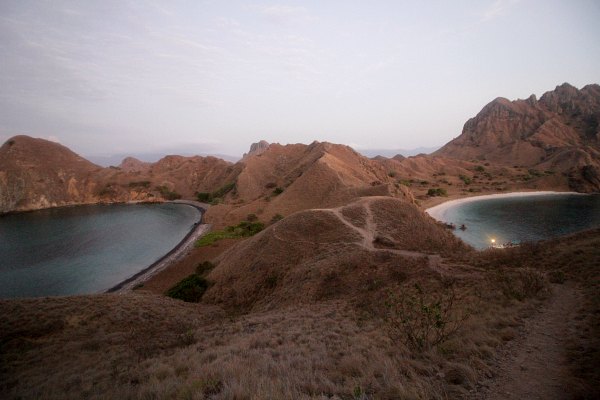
(438, 211)
(175, 254)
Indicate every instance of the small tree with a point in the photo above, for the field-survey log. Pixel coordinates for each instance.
(422, 320)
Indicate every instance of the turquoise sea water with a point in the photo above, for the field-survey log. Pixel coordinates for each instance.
(86, 249)
(521, 219)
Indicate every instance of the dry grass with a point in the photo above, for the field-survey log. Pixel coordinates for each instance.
(306, 326)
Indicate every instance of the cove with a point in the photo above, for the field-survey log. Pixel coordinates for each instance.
(519, 217)
(86, 249)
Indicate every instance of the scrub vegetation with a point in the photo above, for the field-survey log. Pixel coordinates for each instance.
(217, 196)
(310, 322)
(241, 230)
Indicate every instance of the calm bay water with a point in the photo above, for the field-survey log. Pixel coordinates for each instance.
(86, 249)
(521, 219)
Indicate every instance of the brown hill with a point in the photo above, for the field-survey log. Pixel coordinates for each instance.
(132, 164)
(285, 179)
(560, 132)
(326, 253)
(36, 173)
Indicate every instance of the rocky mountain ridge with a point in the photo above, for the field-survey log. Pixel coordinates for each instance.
(555, 139)
(558, 132)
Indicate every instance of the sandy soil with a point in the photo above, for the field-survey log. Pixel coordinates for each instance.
(535, 365)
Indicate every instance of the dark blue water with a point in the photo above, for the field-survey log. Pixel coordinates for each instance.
(521, 219)
(86, 249)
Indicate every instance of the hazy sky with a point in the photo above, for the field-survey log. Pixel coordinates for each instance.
(137, 76)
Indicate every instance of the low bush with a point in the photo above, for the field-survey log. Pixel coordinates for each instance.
(203, 268)
(276, 217)
(433, 192)
(167, 193)
(203, 197)
(189, 289)
(277, 191)
(521, 283)
(251, 217)
(421, 320)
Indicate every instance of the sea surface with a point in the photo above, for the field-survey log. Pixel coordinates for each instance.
(86, 249)
(523, 219)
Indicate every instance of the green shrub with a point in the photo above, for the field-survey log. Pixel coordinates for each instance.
(189, 289)
(276, 217)
(167, 193)
(212, 237)
(392, 174)
(203, 197)
(243, 229)
(535, 172)
(437, 192)
(277, 191)
(479, 168)
(465, 179)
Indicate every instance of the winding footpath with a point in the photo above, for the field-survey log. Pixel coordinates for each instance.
(368, 235)
(535, 365)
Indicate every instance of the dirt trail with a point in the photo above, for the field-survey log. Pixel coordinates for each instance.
(535, 365)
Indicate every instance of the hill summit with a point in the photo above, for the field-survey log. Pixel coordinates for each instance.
(560, 132)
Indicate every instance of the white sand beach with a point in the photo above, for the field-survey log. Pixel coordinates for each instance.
(439, 212)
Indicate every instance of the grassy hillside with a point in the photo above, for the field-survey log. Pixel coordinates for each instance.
(369, 300)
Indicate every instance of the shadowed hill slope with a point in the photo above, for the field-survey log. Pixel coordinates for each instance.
(322, 253)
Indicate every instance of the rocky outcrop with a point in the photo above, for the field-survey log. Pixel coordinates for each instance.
(256, 149)
(559, 132)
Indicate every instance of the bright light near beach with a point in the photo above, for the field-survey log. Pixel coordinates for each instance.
(493, 241)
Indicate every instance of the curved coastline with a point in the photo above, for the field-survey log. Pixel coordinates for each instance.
(175, 254)
(439, 211)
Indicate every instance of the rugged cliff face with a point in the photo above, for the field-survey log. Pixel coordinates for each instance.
(559, 132)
